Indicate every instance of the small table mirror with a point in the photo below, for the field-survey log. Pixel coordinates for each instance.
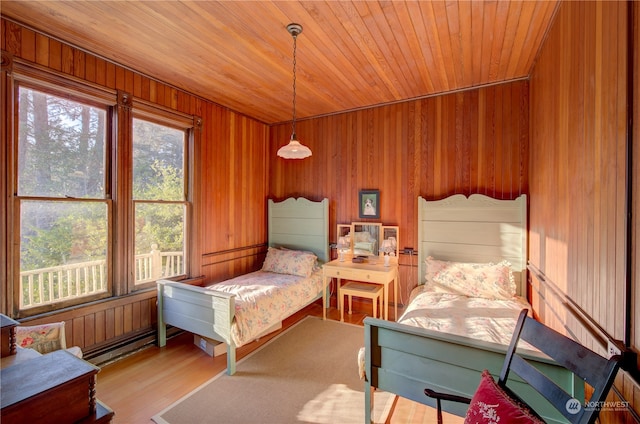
(365, 238)
(368, 239)
(344, 240)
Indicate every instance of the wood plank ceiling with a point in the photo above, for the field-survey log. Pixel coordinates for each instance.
(351, 54)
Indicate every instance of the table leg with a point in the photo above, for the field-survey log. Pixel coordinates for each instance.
(374, 301)
(386, 300)
(395, 298)
(324, 297)
(339, 302)
(338, 295)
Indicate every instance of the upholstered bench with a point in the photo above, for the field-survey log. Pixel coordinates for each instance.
(368, 291)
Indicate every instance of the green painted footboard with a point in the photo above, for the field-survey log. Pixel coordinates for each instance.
(404, 360)
(199, 310)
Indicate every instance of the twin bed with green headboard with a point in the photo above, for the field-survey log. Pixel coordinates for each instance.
(239, 310)
(459, 320)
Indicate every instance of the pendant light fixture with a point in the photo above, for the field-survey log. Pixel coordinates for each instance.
(294, 150)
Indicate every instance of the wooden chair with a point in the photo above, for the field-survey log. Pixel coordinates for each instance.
(596, 371)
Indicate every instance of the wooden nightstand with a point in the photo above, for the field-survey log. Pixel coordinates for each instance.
(375, 273)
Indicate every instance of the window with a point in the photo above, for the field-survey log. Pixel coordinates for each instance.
(63, 211)
(159, 199)
(100, 202)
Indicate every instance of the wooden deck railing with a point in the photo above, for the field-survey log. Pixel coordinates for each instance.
(155, 265)
(50, 285)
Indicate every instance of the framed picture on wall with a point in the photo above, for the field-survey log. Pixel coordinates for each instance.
(369, 203)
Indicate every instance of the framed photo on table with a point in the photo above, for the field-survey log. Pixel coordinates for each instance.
(369, 203)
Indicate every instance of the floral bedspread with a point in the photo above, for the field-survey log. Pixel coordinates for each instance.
(473, 317)
(263, 299)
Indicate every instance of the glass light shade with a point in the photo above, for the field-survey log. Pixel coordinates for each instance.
(342, 246)
(294, 150)
(386, 246)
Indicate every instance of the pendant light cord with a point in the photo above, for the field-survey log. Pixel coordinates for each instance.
(294, 149)
(293, 123)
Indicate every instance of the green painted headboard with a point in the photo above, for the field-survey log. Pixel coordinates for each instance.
(477, 228)
(301, 224)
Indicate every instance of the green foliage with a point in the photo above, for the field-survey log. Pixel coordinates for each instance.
(56, 233)
(162, 226)
(165, 183)
(161, 223)
(62, 154)
(61, 149)
(44, 248)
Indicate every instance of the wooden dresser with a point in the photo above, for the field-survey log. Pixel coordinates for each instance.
(7, 335)
(56, 387)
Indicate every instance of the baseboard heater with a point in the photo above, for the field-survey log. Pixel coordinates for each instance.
(118, 350)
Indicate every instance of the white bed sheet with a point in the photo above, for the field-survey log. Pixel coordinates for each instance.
(264, 299)
(473, 317)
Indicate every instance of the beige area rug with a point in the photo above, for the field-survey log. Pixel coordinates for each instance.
(307, 374)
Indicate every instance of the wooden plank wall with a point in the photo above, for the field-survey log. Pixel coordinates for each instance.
(635, 161)
(228, 186)
(473, 141)
(578, 180)
(234, 194)
(103, 324)
(631, 386)
(578, 104)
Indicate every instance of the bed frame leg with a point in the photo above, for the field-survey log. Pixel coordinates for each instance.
(162, 327)
(162, 335)
(368, 403)
(231, 359)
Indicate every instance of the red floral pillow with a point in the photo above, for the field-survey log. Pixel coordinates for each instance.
(491, 404)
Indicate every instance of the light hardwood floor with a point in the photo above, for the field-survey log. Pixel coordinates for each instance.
(144, 383)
